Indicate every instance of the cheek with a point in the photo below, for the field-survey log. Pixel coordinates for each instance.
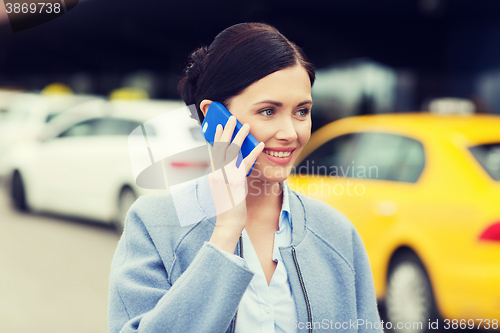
(304, 133)
(265, 132)
(304, 138)
(261, 133)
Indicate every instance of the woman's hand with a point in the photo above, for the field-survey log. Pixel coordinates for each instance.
(228, 184)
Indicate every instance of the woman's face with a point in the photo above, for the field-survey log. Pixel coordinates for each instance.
(278, 110)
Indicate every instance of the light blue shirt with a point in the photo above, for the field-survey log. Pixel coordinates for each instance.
(268, 308)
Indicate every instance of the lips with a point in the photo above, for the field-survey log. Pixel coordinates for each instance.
(279, 155)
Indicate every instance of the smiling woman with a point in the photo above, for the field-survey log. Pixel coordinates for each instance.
(275, 260)
(277, 109)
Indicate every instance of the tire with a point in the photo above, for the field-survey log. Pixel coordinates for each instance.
(18, 193)
(126, 198)
(409, 298)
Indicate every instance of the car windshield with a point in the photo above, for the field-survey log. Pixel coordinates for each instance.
(489, 157)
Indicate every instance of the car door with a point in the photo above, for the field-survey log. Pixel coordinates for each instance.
(322, 174)
(60, 173)
(387, 167)
(82, 169)
(370, 177)
(106, 167)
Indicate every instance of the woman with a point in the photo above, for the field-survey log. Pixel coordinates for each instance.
(275, 260)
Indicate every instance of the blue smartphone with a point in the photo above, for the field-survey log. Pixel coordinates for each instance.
(218, 114)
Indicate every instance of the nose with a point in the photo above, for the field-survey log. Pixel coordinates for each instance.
(286, 131)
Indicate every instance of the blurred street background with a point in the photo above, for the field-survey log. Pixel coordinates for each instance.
(54, 272)
(74, 88)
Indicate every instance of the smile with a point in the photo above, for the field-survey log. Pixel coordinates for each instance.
(278, 154)
(281, 156)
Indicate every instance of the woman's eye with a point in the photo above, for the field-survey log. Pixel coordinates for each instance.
(268, 112)
(303, 112)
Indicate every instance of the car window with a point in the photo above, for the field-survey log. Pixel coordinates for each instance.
(489, 157)
(104, 126)
(84, 128)
(116, 126)
(388, 157)
(331, 158)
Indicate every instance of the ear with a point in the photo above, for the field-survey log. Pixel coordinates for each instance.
(204, 106)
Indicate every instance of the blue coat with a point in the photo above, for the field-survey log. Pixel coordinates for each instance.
(168, 278)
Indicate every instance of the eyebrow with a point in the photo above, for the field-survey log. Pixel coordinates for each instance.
(279, 104)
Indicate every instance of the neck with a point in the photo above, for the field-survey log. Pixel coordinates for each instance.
(264, 200)
(263, 193)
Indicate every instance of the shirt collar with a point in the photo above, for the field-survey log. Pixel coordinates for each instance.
(200, 189)
(285, 208)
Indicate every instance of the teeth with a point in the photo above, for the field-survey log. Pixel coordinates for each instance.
(276, 154)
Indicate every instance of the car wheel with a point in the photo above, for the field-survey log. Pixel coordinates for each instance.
(409, 297)
(125, 200)
(18, 193)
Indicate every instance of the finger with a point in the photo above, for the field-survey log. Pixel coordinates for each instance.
(241, 135)
(219, 154)
(220, 194)
(227, 134)
(252, 157)
(234, 148)
(232, 152)
(219, 148)
(218, 133)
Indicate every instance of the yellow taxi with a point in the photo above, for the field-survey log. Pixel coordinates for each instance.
(423, 190)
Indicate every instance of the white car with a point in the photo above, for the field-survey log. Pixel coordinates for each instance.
(91, 158)
(6, 96)
(27, 114)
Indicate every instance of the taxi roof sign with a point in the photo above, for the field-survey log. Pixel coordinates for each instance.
(56, 88)
(128, 94)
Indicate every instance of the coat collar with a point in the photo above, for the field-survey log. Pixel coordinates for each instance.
(206, 209)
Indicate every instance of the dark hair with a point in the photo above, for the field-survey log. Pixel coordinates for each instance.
(239, 56)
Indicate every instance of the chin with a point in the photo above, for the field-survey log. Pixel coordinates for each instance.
(271, 173)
